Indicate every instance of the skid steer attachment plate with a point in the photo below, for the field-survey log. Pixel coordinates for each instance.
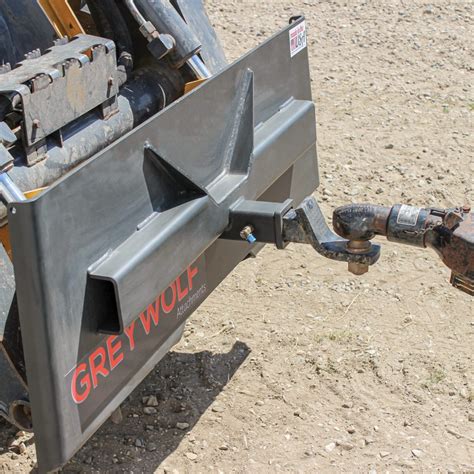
(112, 259)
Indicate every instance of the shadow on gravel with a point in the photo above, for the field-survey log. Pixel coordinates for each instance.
(185, 385)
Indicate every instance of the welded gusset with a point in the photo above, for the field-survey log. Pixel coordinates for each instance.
(450, 232)
(306, 225)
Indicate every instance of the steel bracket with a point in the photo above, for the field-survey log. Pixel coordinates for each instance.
(264, 218)
(306, 225)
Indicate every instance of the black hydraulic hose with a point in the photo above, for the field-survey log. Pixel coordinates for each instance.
(111, 24)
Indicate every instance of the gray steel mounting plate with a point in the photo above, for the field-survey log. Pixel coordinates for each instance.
(112, 259)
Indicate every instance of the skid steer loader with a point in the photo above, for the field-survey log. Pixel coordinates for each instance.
(137, 169)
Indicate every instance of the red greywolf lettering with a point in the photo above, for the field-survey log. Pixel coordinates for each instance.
(115, 354)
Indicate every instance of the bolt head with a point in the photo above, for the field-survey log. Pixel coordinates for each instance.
(245, 232)
(358, 268)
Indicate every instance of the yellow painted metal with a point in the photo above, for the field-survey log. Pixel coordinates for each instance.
(34, 192)
(5, 232)
(62, 17)
(192, 85)
(5, 239)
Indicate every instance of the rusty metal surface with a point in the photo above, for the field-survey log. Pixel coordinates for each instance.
(456, 248)
(360, 221)
(306, 225)
(449, 232)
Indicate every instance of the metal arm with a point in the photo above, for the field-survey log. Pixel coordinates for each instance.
(281, 224)
(449, 232)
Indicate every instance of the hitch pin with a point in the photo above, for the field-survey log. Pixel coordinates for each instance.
(247, 234)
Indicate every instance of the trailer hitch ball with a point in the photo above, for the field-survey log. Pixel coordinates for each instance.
(358, 247)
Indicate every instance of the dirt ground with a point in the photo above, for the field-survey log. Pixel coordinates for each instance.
(293, 364)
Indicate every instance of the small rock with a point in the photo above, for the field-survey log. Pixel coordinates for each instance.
(191, 456)
(384, 454)
(14, 456)
(465, 393)
(224, 447)
(152, 401)
(259, 403)
(347, 405)
(368, 441)
(217, 409)
(139, 443)
(21, 448)
(330, 447)
(151, 447)
(417, 453)
(116, 417)
(299, 414)
(351, 430)
(389, 146)
(470, 417)
(150, 411)
(379, 191)
(345, 446)
(182, 426)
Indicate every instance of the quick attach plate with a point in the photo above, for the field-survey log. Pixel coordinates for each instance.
(113, 259)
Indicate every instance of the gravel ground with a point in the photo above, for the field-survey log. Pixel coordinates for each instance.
(328, 372)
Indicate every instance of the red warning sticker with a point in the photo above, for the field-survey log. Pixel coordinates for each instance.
(298, 39)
